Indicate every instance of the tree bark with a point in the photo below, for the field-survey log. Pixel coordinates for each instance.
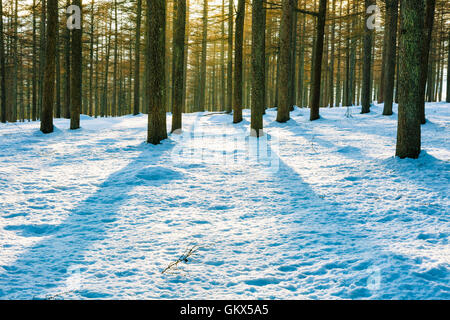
(258, 67)
(238, 79)
(137, 62)
(155, 65)
(2, 69)
(76, 74)
(285, 59)
(391, 53)
(49, 72)
(179, 32)
(425, 52)
(317, 72)
(408, 134)
(366, 94)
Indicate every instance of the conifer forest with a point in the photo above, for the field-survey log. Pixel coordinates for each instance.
(224, 149)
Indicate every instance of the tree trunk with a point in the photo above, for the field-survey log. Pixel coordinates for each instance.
(238, 81)
(229, 102)
(179, 32)
(49, 72)
(366, 94)
(317, 72)
(258, 67)
(155, 66)
(448, 70)
(2, 69)
(391, 52)
(202, 86)
(425, 53)
(285, 59)
(137, 62)
(76, 74)
(408, 134)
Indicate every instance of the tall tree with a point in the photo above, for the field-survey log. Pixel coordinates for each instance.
(285, 55)
(408, 134)
(258, 67)
(202, 86)
(317, 71)
(76, 72)
(448, 69)
(155, 68)
(229, 102)
(391, 52)
(137, 60)
(366, 94)
(425, 52)
(67, 67)
(179, 32)
(238, 63)
(2, 69)
(49, 72)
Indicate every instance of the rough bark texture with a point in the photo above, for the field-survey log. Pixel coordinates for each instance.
(366, 94)
(155, 65)
(408, 134)
(391, 52)
(229, 102)
(202, 86)
(76, 75)
(285, 58)
(258, 67)
(238, 81)
(49, 71)
(2, 69)
(425, 52)
(179, 32)
(137, 62)
(448, 70)
(317, 71)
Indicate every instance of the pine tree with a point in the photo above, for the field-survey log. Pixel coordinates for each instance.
(49, 72)
(391, 52)
(238, 63)
(317, 72)
(285, 55)
(155, 67)
(2, 69)
(178, 62)
(409, 132)
(258, 67)
(366, 94)
(76, 73)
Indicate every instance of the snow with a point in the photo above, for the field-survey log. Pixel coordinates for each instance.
(313, 210)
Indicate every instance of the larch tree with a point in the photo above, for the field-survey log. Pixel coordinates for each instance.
(285, 59)
(155, 68)
(391, 52)
(238, 63)
(2, 70)
(76, 80)
(366, 94)
(425, 52)
(229, 101)
(411, 29)
(318, 56)
(137, 60)
(258, 67)
(179, 32)
(49, 71)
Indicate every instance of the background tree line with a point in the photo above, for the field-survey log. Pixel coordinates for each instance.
(220, 56)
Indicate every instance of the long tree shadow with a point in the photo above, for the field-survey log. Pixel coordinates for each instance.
(51, 261)
(347, 253)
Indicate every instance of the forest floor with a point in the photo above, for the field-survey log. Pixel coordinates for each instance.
(315, 210)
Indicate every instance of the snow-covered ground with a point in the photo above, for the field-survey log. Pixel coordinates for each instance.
(316, 210)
